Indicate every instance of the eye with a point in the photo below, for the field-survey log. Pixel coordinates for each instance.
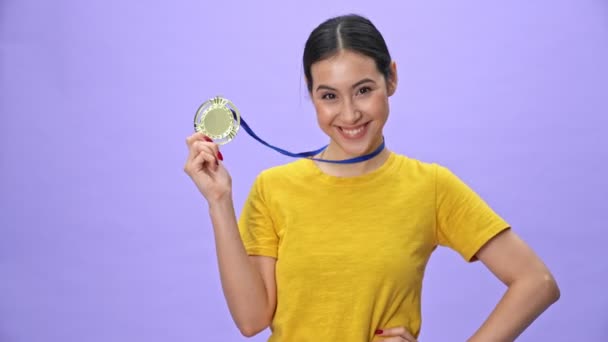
(328, 96)
(364, 90)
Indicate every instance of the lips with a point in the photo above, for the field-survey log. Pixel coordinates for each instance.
(353, 132)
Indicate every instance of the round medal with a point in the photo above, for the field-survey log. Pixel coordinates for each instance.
(219, 119)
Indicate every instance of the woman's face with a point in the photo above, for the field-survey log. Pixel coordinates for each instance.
(350, 96)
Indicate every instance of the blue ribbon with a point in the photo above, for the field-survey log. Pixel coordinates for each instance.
(310, 154)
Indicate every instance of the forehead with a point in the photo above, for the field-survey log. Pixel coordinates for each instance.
(345, 67)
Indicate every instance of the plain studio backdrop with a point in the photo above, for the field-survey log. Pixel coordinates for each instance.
(104, 238)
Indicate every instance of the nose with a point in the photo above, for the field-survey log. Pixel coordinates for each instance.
(350, 114)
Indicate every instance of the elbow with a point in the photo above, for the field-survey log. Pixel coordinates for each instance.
(554, 289)
(252, 327)
(248, 331)
(548, 288)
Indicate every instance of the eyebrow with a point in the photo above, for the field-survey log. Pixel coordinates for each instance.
(365, 80)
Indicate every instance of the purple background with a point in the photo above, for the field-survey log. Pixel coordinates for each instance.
(104, 238)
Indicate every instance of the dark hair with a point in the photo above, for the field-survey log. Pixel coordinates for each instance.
(347, 32)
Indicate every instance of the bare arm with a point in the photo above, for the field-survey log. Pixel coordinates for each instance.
(248, 281)
(531, 287)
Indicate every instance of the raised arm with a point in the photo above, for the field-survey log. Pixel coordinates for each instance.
(248, 282)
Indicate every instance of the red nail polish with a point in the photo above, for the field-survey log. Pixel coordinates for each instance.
(220, 156)
(378, 331)
(207, 139)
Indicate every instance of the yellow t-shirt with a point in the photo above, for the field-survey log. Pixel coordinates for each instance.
(351, 251)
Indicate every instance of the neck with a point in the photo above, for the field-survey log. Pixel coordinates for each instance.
(334, 152)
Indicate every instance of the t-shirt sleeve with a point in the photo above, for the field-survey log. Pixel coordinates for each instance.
(465, 222)
(256, 226)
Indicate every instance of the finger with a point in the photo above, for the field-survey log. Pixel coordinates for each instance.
(199, 146)
(204, 149)
(191, 142)
(211, 148)
(214, 147)
(193, 164)
(193, 137)
(198, 143)
(198, 136)
(396, 331)
(204, 160)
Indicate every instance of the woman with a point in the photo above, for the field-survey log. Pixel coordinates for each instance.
(336, 252)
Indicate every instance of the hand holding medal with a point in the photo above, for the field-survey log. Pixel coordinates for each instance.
(214, 126)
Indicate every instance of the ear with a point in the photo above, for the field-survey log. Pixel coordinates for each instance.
(392, 80)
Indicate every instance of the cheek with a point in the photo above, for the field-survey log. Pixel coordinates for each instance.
(376, 105)
(324, 113)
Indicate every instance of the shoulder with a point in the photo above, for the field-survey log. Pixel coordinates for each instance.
(274, 183)
(297, 167)
(284, 172)
(430, 173)
(417, 167)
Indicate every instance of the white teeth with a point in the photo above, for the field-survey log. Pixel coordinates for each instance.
(352, 132)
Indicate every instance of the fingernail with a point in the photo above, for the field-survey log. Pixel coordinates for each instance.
(207, 139)
(220, 156)
(379, 331)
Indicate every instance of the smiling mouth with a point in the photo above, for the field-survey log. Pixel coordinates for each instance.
(354, 132)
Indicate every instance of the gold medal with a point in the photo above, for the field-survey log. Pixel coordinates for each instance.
(219, 119)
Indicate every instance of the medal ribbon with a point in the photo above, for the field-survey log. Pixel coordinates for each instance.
(310, 154)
